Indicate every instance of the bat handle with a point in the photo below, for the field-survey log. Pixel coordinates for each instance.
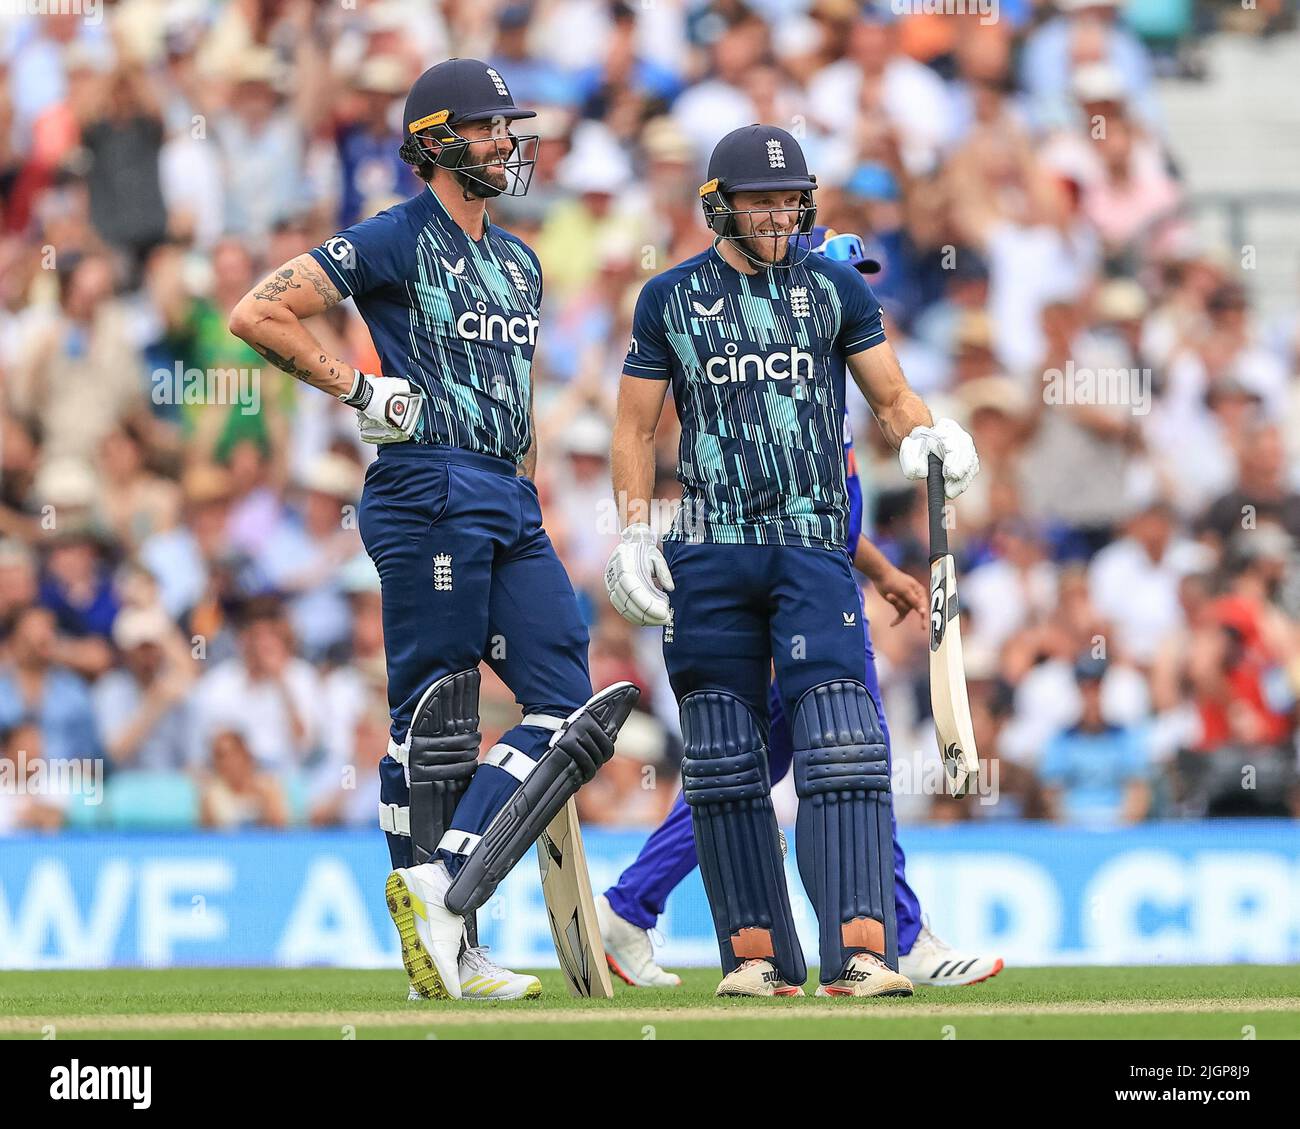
(935, 498)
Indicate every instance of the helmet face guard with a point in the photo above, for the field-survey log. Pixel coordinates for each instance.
(722, 217)
(434, 139)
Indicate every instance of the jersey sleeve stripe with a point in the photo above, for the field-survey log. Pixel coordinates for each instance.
(658, 372)
(864, 343)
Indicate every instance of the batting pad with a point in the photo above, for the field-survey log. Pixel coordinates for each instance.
(724, 780)
(844, 834)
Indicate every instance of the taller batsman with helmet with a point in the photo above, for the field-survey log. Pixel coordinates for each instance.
(451, 519)
(755, 336)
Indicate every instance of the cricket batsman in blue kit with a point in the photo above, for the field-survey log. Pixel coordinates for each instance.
(630, 908)
(451, 519)
(756, 336)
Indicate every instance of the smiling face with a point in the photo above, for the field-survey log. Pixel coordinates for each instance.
(765, 222)
(491, 146)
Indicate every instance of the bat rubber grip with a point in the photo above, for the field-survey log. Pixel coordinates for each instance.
(935, 499)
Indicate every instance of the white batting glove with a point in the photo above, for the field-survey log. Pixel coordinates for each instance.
(952, 444)
(637, 578)
(388, 407)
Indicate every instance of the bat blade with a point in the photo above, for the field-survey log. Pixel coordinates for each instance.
(570, 907)
(948, 701)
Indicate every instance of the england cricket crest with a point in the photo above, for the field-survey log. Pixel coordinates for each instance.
(442, 572)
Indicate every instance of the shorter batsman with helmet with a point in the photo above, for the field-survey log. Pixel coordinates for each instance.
(755, 336)
(451, 519)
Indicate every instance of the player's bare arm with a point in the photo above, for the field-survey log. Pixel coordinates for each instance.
(908, 424)
(270, 318)
(880, 377)
(632, 458)
(637, 576)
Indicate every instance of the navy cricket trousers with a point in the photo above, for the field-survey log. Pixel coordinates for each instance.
(468, 574)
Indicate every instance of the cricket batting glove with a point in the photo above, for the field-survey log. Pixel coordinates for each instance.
(952, 444)
(637, 578)
(388, 407)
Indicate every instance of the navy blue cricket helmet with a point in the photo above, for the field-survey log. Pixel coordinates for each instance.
(758, 158)
(453, 94)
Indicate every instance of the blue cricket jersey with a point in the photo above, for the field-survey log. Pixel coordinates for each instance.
(757, 364)
(457, 317)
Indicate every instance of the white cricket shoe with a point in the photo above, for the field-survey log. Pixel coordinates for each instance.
(934, 964)
(865, 974)
(628, 951)
(431, 934)
(757, 977)
(481, 978)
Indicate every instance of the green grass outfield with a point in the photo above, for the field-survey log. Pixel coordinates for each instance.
(1211, 1002)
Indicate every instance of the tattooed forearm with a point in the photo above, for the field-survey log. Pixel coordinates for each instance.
(328, 292)
(275, 285)
(271, 319)
(284, 364)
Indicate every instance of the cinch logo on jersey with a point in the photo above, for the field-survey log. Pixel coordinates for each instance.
(478, 325)
(738, 368)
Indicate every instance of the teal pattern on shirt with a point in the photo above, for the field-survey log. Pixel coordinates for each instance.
(457, 317)
(757, 365)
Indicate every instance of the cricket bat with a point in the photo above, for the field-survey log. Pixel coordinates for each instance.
(570, 908)
(948, 701)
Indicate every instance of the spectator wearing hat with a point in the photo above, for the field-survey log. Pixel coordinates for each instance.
(302, 557)
(1095, 772)
(142, 707)
(35, 686)
(602, 202)
(184, 560)
(260, 140)
(371, 173)
(1083, 31)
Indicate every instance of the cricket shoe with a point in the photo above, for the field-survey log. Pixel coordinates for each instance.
(481, 978)
(629, 952)
(757, 977)
(431, 934)
(866, 974)
(934, 964)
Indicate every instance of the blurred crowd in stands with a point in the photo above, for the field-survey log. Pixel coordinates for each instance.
(183, 594)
